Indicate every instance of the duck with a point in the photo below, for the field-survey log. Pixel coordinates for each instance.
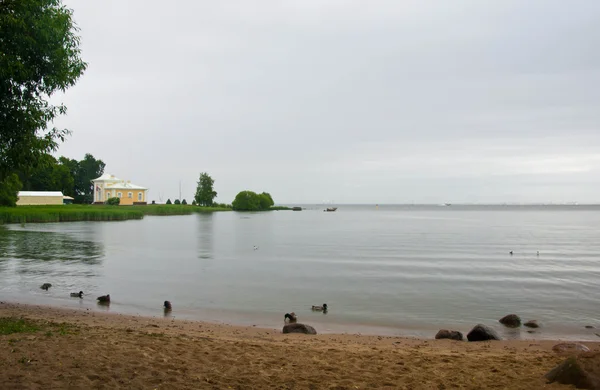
(167, 305)
(320, 308)
(290, 317)
(77, 295)
(511, 253)
(255, 248)
(46, 286)
(104, 299)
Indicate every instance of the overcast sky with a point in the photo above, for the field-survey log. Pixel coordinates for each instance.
(393, 101)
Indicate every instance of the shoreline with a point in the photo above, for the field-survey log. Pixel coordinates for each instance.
(94, 349)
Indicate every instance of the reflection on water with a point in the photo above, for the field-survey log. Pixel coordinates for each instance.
(205, 236)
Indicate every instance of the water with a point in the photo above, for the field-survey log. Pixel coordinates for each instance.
(401, 270)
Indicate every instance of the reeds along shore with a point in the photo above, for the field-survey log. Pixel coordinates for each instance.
(72, 213)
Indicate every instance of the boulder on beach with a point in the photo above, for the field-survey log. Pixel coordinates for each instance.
(532, 324)
(570, 348)
(449, 334)
(299, 328)
(482, 333)
(581, 371)
(511, 320)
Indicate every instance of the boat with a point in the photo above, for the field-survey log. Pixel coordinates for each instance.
(330, 209)
(296, 208)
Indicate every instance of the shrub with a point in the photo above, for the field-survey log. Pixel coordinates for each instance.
(9, 188)
(183, 202)
(177, 201)
(113, 201)
(169, 201)
(194, 202)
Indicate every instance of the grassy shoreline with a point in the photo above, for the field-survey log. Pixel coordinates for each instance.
(73, 213)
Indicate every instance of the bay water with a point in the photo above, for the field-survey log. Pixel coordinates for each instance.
(391, 270)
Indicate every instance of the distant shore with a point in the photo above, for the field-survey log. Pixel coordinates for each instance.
(83, 349)
(73, 213)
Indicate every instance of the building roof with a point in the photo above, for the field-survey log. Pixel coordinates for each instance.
(107, 177)
(113, 182)
(68, 197)
(40, 193)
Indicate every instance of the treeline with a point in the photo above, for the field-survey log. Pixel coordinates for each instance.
(70, 176)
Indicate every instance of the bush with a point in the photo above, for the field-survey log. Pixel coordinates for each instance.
(169, 201)
(183, 202)
(194, 202)
(9, 188)
(113, 201)
(177, 201)
(251, 201)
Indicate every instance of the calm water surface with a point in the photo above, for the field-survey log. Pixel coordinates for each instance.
(391, 270)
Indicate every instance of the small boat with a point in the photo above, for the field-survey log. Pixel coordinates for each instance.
(296, 208)
(330, 209)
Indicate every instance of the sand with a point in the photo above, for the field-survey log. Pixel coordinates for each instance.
(83, 349)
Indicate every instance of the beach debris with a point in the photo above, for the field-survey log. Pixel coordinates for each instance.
(290, 317)
(580, 371)
(511, 321)
(46, 286)
(589, 327)
(511, 253)
(570, 348)
(77, 295)
(449, 334)
(299, 328)
(320, 308)
(167, 305)
(482, 333)
(532, 324)
(104, 298)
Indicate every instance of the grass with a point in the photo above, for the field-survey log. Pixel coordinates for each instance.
(71, 213)
(10, 325)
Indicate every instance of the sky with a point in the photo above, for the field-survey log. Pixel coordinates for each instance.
(412, 101)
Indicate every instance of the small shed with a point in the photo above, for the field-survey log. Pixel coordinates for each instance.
(30, 198)
(68, 199)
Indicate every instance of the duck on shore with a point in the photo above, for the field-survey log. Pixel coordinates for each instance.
(290, 317)
(77, 295)
(46, 286)
(167, 306)
(104, 298)
(320, 308)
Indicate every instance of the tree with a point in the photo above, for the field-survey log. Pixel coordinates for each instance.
(266, 201)
(114, 201)
(48, 174)
(183, 202)
(39, 55)
(194, 202)
(177, 201)
(205, 194)
(87, 169)
(9, 188)
(169, 201)
(251, 201)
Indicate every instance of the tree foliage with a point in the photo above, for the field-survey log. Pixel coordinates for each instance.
(9, 187)
(70, 176)
(205, 193)
(169, 201)
(177, 201)
(184, 202)
(114, 201)
(39, 55)
(251, 201)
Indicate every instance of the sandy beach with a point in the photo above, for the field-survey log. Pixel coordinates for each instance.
(87, 349)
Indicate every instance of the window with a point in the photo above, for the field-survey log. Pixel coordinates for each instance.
(107, 195)
(140, 196)
(130, 194)
(119, 194)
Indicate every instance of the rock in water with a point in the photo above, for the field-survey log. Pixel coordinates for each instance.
(570, 348)
(511, 320)
(299, 328)
(449, 334)
(482, 333)
(581, 371)
(532, 324)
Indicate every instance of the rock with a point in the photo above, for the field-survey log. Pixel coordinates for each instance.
(511, 320)
(570, 348)
(589, 327)
(532, 324)
(482, 333)
(449, 334)
(581, 371)
(299, 328)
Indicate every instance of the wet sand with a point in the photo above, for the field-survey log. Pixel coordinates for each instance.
(87, 349)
